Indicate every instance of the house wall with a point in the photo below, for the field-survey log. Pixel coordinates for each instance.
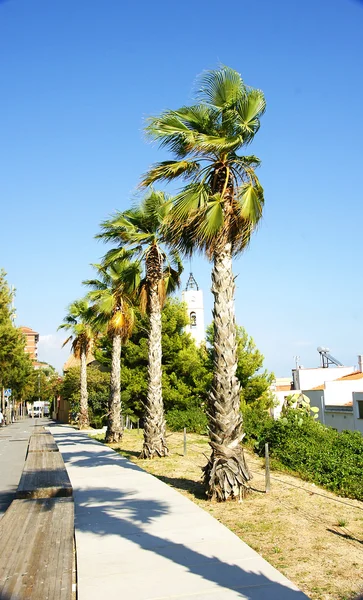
(31, 341)
(357, 397)
(307, 379)
(341, 392)
(340, 420)
(344, 417)
(316, 398)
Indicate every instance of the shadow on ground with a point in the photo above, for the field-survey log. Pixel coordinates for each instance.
(196, 488)
(108, 512)
(105, 511)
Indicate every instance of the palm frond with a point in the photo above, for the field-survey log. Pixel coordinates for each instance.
(218, 144)
(222, 88)
(162, 291)
(69, 339)
(192, 198)
(249, 111)
(200, 118)
(170, 131)
(251, 201)
(169, 170)
(143, 298)
(211, 221)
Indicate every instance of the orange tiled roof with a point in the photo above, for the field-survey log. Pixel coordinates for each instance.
(28, 330)
(283, 388)
(319, 387)
(351, 377)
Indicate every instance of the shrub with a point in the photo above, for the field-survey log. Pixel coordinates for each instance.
(317, 453)
(194, 419)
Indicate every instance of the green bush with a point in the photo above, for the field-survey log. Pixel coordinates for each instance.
(194, 419)
(98, 421)
(316, 453)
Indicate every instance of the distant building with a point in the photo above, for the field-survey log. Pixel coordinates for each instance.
(193, 298)
(336, 391)
(31, 344)
(72, 361)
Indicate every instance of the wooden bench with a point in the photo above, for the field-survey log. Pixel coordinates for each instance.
(37, 531)
(40, 442)
(37, 550)
(41, 429)
(44, 474)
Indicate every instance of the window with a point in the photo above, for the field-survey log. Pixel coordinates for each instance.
(360, 409)
(193, 319)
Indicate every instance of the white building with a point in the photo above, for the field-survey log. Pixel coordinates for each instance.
(337, 391)
(340, 402)
(193, 298)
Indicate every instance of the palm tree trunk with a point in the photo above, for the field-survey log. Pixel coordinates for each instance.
(226, 474)
(154, 422)
(114, 428)
(83, 421)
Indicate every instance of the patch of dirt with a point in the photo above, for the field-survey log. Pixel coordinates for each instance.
(312, 536)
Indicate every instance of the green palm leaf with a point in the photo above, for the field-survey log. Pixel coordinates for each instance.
(212, 221)
(169, 169)
(193, 197)
(249, 111)
(251, 202)
(222, 88)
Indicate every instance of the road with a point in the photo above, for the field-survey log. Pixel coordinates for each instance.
(13, 445)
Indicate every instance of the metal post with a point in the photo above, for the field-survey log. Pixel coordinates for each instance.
(185, 441)
(267, 469)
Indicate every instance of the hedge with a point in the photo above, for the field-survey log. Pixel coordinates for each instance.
(301, 445)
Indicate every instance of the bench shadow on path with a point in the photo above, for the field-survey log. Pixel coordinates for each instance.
(105, 511)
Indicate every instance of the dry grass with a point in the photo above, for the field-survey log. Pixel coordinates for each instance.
(312, 536)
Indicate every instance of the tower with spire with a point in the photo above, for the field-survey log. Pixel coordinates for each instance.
(193, 298)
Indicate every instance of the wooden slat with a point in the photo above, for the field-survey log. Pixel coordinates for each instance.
(44, 476)
(42, 443)
(36, 550)
(40, 429)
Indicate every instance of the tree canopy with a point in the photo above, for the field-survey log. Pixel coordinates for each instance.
(16, 367)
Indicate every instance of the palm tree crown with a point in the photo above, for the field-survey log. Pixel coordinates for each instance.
(223, 198)
(141, 230)
(113, 295)
(78, 321)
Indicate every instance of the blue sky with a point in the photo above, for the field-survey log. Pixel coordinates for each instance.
(77, 80)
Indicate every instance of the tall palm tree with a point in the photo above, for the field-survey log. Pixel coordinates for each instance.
(140, 230)
(113, 296)
(78, 321)
(216, 212)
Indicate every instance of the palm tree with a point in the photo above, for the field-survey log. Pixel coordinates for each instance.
(140, 230)
(216, 212)
(112, 296)
(78, 321)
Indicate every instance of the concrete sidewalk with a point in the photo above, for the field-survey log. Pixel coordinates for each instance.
(139, 539)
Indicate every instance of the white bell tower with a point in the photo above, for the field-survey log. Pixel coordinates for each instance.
(193, 298)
